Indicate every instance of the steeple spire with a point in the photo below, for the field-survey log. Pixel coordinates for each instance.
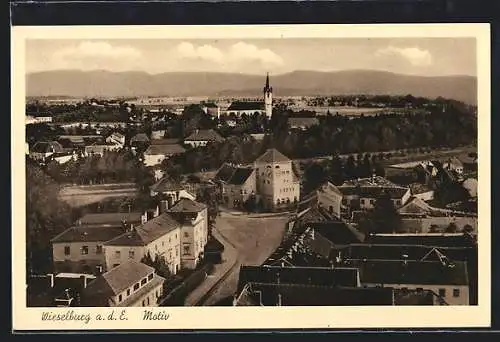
(267, 81)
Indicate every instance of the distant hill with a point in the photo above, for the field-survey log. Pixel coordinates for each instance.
(111, 84)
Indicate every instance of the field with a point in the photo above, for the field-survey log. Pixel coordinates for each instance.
(81, 195)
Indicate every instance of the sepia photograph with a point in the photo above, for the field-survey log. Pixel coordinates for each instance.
(265, 169)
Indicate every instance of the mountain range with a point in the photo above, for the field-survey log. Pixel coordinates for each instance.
(101, 83)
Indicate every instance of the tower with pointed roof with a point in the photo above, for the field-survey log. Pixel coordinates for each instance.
(268, 98)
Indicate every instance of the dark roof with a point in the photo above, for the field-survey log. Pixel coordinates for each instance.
(147, 232)
(244, 105)
(337, 232)
(204, 135)
(411, 272)
(167, 150)
(89, 233)
(298, 275)
(430, 239)
(110, 218)
(307, 295)
(233, 174)
(185, 205)
(47, 147)
(272, 155)
(372, 191)
(165, 184)
(140, 137)
(209, 105)
(117, 279)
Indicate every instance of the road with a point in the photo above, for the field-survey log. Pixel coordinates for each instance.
(254, 238)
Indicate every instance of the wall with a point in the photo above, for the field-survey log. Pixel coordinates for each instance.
(153, 159)
(425, 196)
(239, 193)
(141, 295)
(76, 261)
(194, 238)
(275, 182)
(331, 202)
(462, 299)
(196, 143)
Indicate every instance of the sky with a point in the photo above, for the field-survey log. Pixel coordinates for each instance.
(415, 56)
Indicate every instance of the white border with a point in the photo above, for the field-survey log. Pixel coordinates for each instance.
(255, 317)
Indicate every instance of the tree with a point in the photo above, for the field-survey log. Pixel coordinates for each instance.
(383, 218)
(451, 228)
(314, 176)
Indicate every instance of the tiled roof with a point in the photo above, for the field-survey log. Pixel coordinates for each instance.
(272, 155)
(337, 232)
(165, 185)
(140, 137)
(411, 272)
(118, 279)
(147, 232)
(372, 191)
(167, 150)
(307, 295)
(233, 174)
(110, 218)
(185, 205)
(164, 141)
(204, 135)
(430, 239)
(298, 275)
(47, 147)
(243, 105)
(89, 233)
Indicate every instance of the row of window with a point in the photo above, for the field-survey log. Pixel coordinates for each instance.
(286, 190)
(84, 250)
(136, 287)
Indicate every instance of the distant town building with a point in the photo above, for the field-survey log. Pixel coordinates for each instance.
(44, 149)
(211, 109)
(117, 139)
(171, 190)
(130, 284)
(202, 137)
(302, 123)
(30, 119)
(238, 108)
(237, 184)
(155, 154)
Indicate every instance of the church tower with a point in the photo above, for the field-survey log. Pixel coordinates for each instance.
(268, 98)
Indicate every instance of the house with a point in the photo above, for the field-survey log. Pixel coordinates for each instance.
(139, 140)
(131, 219)
(448, 280)
(211, 109)
(237, 184)
(158, 134)
(360, 195)
(328, 237)
(116, 139)
(249, 108)
(454, 164)
(421, 191)
(159, 236)
(43, 149)
(302, 123)
(278, 185)
(155, 154)
(193, 218)
(470, 184)
(62, 157)
(202, 137)
(37, 119)
(100, 149)
(469, 161)
(171, 190)
(79, 249)
(130, 284)
(261, 294)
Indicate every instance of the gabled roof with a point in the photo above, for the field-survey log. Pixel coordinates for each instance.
(321, 276)
(337, 232)
(247, 105)
(147, 232)
(140, 137)
(204, 135)
(164, 141)
(272, 155)
(89, 233)
(411, 272)
(110, 218)
(118, 279)
(185, 205)
(47, 147)
(166, 150)
(233, 174)
(165, 185)
(307, 295)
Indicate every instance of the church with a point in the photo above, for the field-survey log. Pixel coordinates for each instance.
(239, 108)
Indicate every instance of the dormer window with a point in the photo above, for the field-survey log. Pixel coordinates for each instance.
(150, 277)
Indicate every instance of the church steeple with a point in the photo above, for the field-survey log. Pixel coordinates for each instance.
(267, 88)
(268, 97)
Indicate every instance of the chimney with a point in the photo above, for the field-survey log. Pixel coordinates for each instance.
(98, 270)
(163, 207)
(84, 281)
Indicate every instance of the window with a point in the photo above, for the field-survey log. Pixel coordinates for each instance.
(169, 240)
(85, 250)
(156, 247)
(117, 254)
(456, 292)
(98, 249)
(144, 302)
(128, 292)
(66, 250)
(186, 234)
(362, 201)
(372, 201)
(131, 254)
(176, 252)
(120, 298)
(163, 243)
(186, 250)
(144, 281)
(150, 277)
(148, 300)
(136, 286)
(442, 292)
